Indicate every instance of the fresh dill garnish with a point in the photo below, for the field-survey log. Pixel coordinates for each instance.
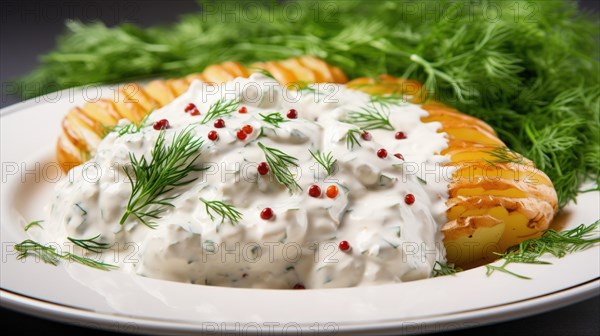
(90, 244)
(529, 82)
(489, 269)
(325, 160)
(130, 128)
(32, 224)
(387, 99)
(265, 72)
(274, 118)
(279, 163)
(83, 211)
(50, 255)
(152, 180)
(556, 243)
(105, 129)
(370, 117)
(223, 107)
(351, 139)
(441, 269)
(306, 87)
(505, 155)
(224, 210)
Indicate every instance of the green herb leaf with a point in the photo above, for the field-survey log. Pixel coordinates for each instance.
(505, 155)
(441, 269)
(130, 128)
(274, 118)
(49, 255)
(90, 244)
(32, 224)
(556, 243)
(370, 117)
(222, 209)
(220, 109)
(325, 160)
(351, 139)
(263, 71)
(387, 99)
(306, 87)
(152, 180)
(279, 163)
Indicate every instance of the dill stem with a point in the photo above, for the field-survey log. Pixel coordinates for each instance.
(124, 217)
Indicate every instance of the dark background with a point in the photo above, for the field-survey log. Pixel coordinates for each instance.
(29, 29)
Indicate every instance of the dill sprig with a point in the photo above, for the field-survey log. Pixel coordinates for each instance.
(262, 71)
(50, 255)
(90, 244)
(223, 107)
(530, 82)
(307, 87)
(505, 155)
(556, 243)
(370, 117)
(130, 128)
(152, 180)
(279, 163)
(274, 118)
(32, 224)
(387, 99)
(351, 139)
(442, 268)
(222, 209)
(325, 160)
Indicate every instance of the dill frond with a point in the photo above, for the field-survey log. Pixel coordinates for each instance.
(274, 118)
(152, 180)
(556, 243)
(279, 163)
(505, 155)
(90, 244)
(32, 224)
(222, 209)
(50, 255)
(442, 269)
(325, 160)
(370, 117)
(351, 138)
(130, 128)
(223, 107)
(264, 72)
(387, 99)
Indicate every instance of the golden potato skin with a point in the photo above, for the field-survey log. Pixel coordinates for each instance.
(495, 201)
(84, 127)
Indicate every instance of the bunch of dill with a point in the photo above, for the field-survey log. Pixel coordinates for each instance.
(529, 68)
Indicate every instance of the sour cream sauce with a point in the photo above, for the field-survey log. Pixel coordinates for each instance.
(390, 240)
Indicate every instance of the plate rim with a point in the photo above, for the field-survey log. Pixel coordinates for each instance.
(476, 318)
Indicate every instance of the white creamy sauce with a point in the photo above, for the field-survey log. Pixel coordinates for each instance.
(390, 240)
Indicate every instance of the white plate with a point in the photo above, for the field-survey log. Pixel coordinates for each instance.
(119, 301)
